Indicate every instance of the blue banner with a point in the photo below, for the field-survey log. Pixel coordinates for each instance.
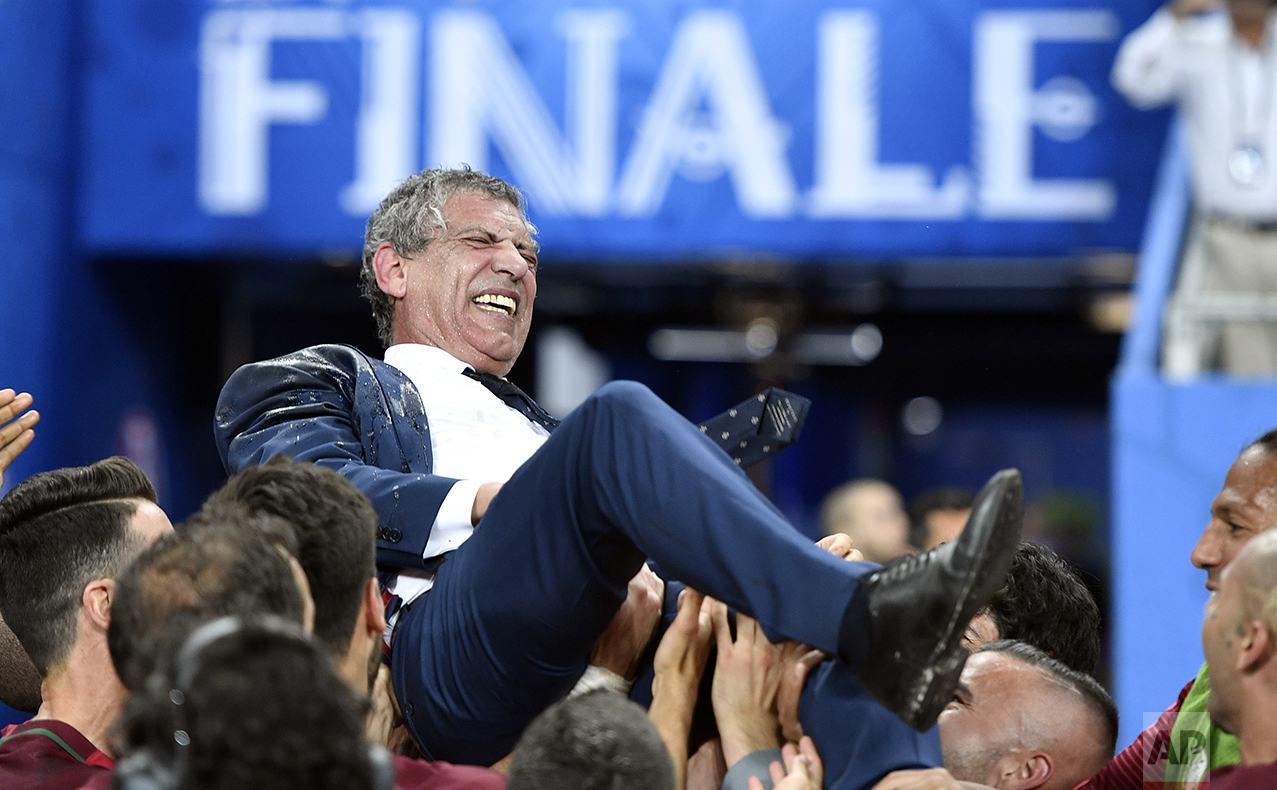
(816, 129)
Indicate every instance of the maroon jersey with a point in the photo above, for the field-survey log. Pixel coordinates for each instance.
(1128, 770)
(44, 754)
(1244, 777)
(422, 775)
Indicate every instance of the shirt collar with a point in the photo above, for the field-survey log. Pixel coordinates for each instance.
(418, 355)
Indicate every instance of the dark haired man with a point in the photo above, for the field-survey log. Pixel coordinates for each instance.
(336, 529)
(515, 604)
(1020, 719)
(596, 741)
(238, 564)
(64, 537)
(258, 705)
(331, 527)
(1044, 603)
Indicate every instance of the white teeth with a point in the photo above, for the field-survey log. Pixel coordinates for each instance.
(496, 303)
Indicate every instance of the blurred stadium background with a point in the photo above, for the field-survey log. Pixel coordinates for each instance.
(935, 218)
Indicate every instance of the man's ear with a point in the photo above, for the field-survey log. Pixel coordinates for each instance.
(392, 278)
(97, 599)
(374, 609)
(1256, 646)
(1023, 770)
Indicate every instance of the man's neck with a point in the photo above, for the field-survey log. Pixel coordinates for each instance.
(1251, 32)
(85, 694)
(1257, 726)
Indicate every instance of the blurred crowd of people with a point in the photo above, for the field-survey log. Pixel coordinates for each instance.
(414, 577)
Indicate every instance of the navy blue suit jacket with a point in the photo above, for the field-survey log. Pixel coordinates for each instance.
(335, 406)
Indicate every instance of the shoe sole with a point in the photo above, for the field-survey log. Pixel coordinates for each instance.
(1001, 500)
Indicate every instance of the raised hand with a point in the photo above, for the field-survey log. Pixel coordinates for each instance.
(679, 664)
(15, 434)
(621, 646)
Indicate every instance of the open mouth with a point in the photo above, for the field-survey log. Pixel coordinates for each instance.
(496, 303)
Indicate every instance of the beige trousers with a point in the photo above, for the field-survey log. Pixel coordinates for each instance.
(1239, 259)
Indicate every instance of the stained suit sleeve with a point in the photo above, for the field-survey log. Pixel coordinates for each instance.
(325, 405)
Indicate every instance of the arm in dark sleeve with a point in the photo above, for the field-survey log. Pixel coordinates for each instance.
(326, 405)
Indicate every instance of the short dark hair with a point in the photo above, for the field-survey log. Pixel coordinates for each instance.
(928, 502)
(1044, 602)
(60, 530)
(203, 571)
(262, 707)
(411, 217)
(1095, 695)
(597, 741)
(336, 529)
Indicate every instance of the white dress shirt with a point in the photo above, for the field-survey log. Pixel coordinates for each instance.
(1225, 91)
(474, 437)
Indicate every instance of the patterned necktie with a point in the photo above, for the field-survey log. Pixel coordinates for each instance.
(514, 397)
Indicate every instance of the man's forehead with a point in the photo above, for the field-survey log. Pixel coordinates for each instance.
(481, 209)
(1251, 480)
(991, 671)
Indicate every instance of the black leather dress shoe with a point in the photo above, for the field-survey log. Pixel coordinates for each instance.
(920, 606)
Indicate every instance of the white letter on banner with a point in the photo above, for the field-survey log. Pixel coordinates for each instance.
(239, 101)
(1007, 108)
(849, 180)
(386, 136)
(480, 91)
(709, 62)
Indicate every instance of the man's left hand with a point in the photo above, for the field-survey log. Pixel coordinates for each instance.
(626, 638)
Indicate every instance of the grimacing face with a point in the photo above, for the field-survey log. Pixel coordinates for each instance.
(470, 292)
(982, 719)
(1245, 507)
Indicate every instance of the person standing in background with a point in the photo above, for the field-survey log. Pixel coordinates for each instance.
(1220, 69)
(872, 513)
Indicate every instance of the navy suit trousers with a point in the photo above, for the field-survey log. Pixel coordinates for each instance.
(859, 741)
(507, 629)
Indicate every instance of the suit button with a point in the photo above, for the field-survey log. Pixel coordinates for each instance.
(394, 535)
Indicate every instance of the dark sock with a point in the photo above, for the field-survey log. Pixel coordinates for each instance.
(855, 631)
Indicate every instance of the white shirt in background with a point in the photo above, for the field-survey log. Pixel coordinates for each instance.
(1225, 91)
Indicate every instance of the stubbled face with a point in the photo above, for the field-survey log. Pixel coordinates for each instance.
(1221, 630)
(149, 522)
(1244, 508)
(984, 716)
(470, 292)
